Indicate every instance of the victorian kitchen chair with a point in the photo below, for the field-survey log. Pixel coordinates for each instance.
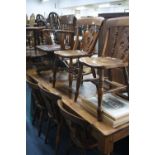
(36, 102)
(114, 56)
(87, 31)
(79, 130)
(50, 100)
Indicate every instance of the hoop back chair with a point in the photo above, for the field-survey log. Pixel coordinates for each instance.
(79, 129)
(114, 56)
(39, 106)
(40, 20)
(87, 31)
(32, 19)
(50, 100)
(54, 20)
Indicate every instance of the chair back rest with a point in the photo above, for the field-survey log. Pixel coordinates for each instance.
(40, 20)
(116, 38)
(71, 117)
(35, 89)
(68, 22)
(54, 20)
(87, 32)
(32, 19)
(50, 100)
(27, 21)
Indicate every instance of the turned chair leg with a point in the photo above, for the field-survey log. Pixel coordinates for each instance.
(47, 131)
(54, 71)
(93, 72)
(125, 72)
(58, 136)
(35, 115)
(78, 82)
(70, 73)
(40, 122)
(100, 94)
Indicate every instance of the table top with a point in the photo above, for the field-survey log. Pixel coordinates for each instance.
(48, 48)
(61, 89)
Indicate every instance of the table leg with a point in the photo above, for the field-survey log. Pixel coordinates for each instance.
(106, 145)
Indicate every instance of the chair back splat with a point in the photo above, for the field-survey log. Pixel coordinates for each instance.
(38, 106)
(87, 31)
(50, 100)
(116, 40)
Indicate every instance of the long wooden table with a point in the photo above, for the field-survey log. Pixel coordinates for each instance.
(105, 134)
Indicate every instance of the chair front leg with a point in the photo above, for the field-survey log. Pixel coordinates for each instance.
(70, 72)
(100, 93)
(78, 81)
(125, 72)
(55, 70)
(93, 72)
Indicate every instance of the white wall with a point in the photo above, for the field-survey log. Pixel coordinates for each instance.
(37, 6)
(72, 3)
(59, 6)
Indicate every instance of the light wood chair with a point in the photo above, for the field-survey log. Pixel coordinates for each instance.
(87, 31)
(115, 55)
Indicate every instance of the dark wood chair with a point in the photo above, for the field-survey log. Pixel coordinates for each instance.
(87, 31)
(54, 20)
(40, 20)
(79, 130)
(114, 56)
(50, 100)
(37, 101)
(57, 39)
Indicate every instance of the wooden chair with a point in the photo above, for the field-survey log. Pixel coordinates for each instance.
(40, 20)
(50, 100)
(39, 106)
(32, 19)
(87, 31)
(57, 39)
(79, 129)
(54, 20)
(114, 56)
(66, 34)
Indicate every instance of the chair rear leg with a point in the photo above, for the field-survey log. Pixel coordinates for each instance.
(47, 131)
(40, 122)
(58, 136)
(35, 115)
(54, 71)
(78, 82)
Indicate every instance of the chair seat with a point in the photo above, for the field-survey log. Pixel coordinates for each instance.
(71, 53)
(48, 48)
(103, 62)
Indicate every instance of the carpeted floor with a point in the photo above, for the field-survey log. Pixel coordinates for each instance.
(35, 145)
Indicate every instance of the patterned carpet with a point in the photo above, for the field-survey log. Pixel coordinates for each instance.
(35, 145)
